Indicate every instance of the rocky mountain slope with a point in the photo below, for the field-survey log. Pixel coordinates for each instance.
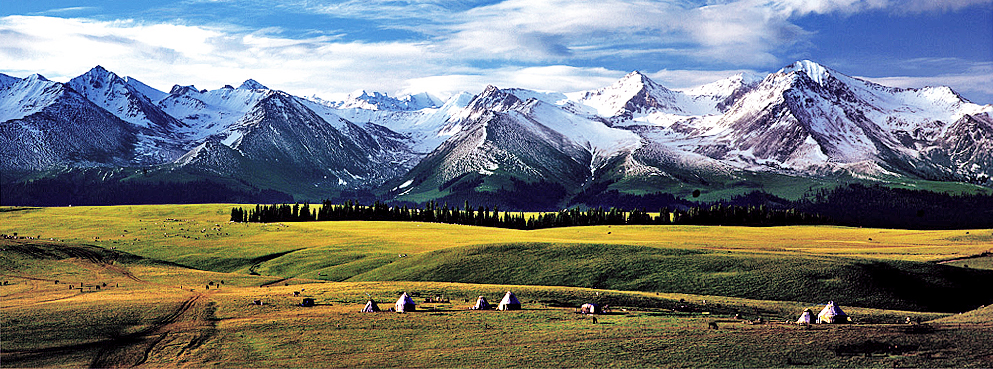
(805, 121)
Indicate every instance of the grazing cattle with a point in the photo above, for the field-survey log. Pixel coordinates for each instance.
(712, 325)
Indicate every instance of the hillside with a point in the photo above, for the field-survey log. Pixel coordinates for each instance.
(762, 276)
(810, 263)
(155, 314)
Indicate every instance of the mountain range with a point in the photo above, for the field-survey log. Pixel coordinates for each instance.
(802, 127)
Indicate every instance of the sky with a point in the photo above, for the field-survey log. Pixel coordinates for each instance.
(332, 48)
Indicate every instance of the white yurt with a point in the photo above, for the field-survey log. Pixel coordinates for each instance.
(370, 307)
(806, 318)
(509, 302)
(405, 304)
(832, 314)
(481, 304)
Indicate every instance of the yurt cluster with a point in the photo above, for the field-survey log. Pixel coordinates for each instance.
(831, 314)
(406, 304)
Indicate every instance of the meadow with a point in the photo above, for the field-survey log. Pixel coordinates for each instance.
(173, 286)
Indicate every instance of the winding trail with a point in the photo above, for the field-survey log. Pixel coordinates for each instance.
(134, 349)
(186, 327)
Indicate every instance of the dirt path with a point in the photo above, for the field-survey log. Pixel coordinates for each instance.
(185, 328)
(190, 323)
(188, 326)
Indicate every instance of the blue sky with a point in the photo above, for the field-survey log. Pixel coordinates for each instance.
(331, 48)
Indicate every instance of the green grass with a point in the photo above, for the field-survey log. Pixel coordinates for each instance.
(983, 262)
(794, 263)
(167, 312)
(161, 314)
(766, 276)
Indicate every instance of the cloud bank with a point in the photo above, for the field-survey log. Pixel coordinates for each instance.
(453, 45)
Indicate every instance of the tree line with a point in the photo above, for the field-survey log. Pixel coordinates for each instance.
(433, 212)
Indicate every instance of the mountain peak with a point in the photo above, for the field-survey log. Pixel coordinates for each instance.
(636, 76)
(100, 73)
(490, 90)
(180, 90)
(251, 84)
(493, 98)
(99, 69)
(635, 92)
(96, 79)
(36, 77)
(362, 99)
(637, 79)
(815, 71)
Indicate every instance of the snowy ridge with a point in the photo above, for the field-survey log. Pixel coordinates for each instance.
(7, 81)
(362, 99)
(209, 113)
(803, 120)
(424, 127)
(27, 96)
(632, 94)
(119, 97)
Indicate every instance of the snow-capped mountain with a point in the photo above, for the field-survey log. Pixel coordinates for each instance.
(426, 128)
(803, 121)
(280, 134)
(209, 113)
(807, 118)
(121, 98)
(362, 99)
(46, 124)
(157, 131)
(498, 135)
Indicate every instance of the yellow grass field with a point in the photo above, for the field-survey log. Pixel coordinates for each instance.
(189, 233)
(158, 312)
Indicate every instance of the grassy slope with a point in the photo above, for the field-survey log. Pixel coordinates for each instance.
(768, 276)
(159, 318)
(166, 315)
(151, 233)
(795, 263)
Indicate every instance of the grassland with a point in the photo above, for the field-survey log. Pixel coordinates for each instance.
(164, 305)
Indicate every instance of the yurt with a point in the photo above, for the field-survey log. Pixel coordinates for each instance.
(806, 318)
(832, 314)
(481, 304)
(370, 307)
(509, 302)
(591, 309)
(404, 304)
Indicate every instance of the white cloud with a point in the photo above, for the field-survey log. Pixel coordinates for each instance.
(386, 9)
(686, 79)
(74, 9)
(557, 78)
(166, 54)
(921, 6)
(746, 32)
(464, 46)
